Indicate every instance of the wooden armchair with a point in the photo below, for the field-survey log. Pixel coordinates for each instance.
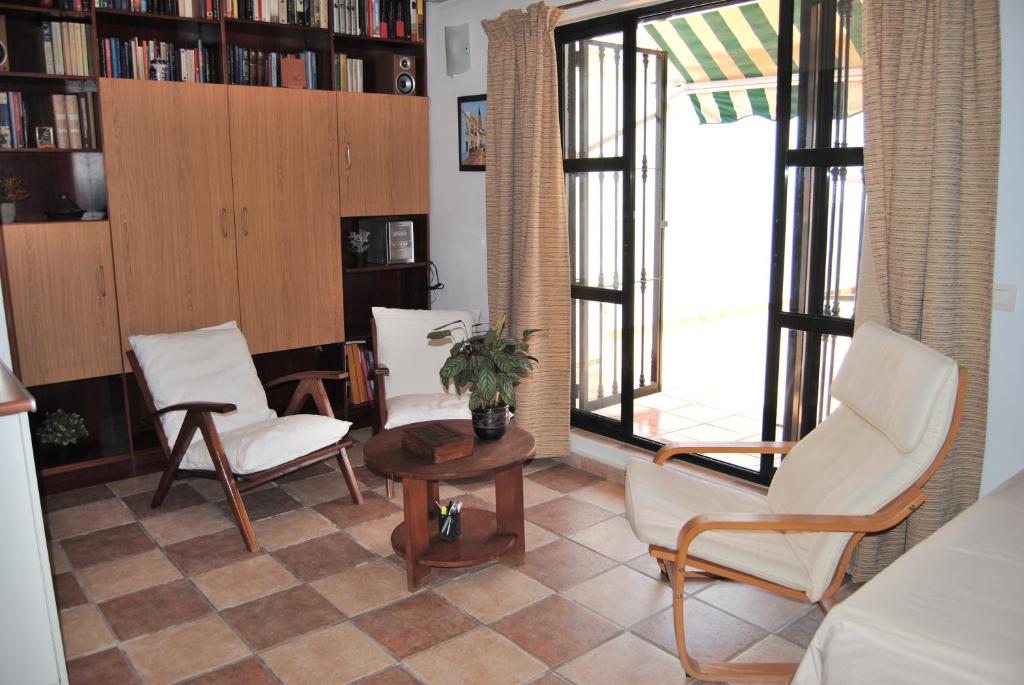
(204, 381)
(407, 387)
(860, 471)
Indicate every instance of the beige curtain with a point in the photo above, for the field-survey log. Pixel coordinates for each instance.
(932, 107)
(527, 232)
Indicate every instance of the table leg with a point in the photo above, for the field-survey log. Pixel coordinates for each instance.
(508, 491)
(417, 531)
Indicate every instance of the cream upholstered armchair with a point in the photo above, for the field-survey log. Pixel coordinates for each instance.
(860, 471)
(203, 394)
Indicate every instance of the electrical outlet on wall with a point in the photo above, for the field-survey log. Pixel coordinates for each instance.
(1004, 297)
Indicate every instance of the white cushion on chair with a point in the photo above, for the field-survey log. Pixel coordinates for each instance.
(413, 361)
(660, 499)
(405, 409)
(892, 382)
(208, 365)
(266, 444)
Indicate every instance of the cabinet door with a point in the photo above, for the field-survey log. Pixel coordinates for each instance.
(62, 300)
(169, 184)
(383, 154)
(285, 166)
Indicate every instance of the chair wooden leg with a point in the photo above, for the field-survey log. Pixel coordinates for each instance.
(188, 429)
(725, 671)
(227, 481)
(350, 477)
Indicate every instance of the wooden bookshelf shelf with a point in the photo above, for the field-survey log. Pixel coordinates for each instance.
(49, 151)
(12, 9)
(143, 18)
(369, 41)
(376, 268)
(269, 28)
(29, 76)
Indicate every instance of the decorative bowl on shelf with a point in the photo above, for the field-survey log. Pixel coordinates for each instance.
(65, 210)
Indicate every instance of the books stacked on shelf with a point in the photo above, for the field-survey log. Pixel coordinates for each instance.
(191, 9)
(73, 5)
(348, 74)
(64, 121)
(155, 60)
(252, 67)
(311, 13)
(358, 362)
(379, 18)
(66, 48)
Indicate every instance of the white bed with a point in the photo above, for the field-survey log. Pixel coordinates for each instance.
(951, 610)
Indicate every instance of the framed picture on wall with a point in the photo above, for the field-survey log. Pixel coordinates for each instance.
(472, 132)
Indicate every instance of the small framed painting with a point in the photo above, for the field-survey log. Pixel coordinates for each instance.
(472, 133)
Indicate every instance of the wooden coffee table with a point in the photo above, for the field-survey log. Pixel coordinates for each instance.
(485, 535)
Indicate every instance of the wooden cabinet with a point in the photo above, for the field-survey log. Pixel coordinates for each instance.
(383, 150)
(286, 207)
(168, 157)
(61, 296)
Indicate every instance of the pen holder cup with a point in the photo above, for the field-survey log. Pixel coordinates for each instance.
(450, 526)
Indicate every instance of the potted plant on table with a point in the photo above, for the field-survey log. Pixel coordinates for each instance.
(12, 191)
(490, 365)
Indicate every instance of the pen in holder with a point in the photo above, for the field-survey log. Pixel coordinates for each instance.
(449, 521)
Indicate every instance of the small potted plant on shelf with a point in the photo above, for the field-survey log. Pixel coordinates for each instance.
(62, 429)
(358, 245)
(12, 190)
(490, 366)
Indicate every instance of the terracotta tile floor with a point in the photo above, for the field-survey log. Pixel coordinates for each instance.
(171, 595)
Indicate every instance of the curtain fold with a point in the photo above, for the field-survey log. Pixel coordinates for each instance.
(527, 231)
(932, 118)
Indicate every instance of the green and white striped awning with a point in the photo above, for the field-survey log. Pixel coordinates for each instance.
(727, 57)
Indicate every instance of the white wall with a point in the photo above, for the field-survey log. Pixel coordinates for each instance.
(457, 207)
(1004, 456)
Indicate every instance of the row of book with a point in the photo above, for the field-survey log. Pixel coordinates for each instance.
(301, 12)
(65, 121)
(252, 67)
(193, 9)
(73, 5)
(380, 18)
(66, 48)
(358, 362)
(137, 58)
(348, 74)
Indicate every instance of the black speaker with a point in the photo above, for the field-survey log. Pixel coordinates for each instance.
(404, 75)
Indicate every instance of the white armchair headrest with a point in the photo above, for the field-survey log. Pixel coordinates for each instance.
(892, 382)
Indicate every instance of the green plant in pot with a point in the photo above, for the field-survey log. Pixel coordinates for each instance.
(490, 365)
(62, 429)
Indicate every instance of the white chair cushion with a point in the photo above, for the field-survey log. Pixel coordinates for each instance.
(661, 499)
(413, 361)
(406, 409)
(207, 365)
(264, 445)
(892, 382)
(846, 466)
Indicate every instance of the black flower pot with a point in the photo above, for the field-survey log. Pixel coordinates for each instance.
(359, 259)
(490, 423)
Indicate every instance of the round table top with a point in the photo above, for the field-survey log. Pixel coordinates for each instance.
(384, 454)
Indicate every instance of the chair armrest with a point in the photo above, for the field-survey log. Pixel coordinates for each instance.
(378, 370)
(210, 407)
(885, 518)
(304, 375)
(759, 447)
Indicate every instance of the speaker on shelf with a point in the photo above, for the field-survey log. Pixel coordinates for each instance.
(5, 64)
(404, 75)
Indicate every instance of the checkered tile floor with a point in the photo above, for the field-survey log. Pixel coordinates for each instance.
(170, 595)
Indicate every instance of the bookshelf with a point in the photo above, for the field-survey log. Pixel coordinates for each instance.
(121, 443)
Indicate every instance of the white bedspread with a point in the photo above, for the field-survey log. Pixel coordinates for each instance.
(951, 610)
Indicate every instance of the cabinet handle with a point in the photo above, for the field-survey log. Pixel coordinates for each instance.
(224, 222)
(245, 221)
(101, 281)
(348, 156)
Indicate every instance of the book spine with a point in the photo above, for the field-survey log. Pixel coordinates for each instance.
(6, 138)
(58, 47)
(48, 47)
(74, 122)
(60, 121)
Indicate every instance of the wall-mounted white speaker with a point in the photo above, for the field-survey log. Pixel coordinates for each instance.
(456, 49)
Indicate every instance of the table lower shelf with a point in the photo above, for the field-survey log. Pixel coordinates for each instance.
(480, 541)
